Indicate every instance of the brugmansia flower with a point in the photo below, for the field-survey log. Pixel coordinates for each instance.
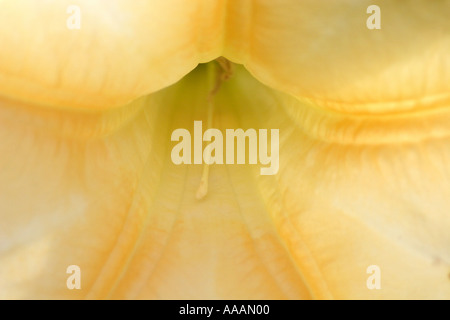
(86, 176)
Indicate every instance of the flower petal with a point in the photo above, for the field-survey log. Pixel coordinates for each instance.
(122, 51)
(324, 52)
(345, 200)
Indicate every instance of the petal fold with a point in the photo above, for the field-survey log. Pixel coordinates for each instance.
(325, 53)
(122, 51)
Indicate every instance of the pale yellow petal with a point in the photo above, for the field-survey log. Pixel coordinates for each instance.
(347, 199)
(323, 51)
(123, 49)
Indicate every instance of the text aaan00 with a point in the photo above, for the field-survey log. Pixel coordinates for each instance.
(246, 309)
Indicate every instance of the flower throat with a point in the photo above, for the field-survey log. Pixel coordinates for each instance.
(235, 140)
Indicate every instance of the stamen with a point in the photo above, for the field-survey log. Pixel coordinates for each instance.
(225, 72)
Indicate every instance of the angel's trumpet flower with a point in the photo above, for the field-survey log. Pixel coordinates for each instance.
(87, 180)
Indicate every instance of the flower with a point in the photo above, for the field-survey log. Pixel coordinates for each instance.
(86, 177)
